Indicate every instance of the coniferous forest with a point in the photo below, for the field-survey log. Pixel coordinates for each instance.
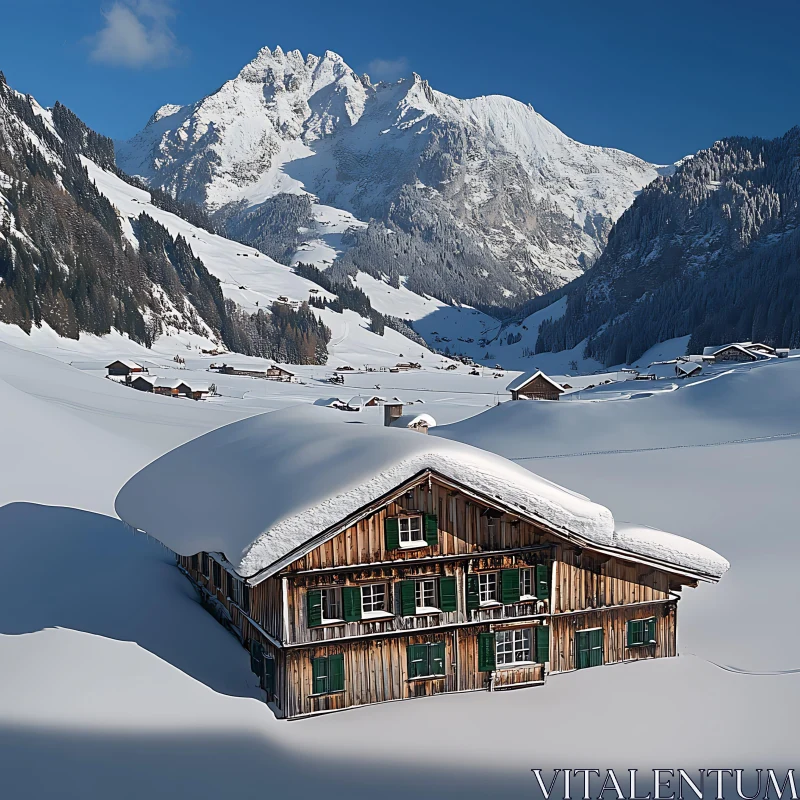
(64, 259)
(712, 251)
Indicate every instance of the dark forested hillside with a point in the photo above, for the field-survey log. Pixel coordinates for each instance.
(712, 251)
(64, 260)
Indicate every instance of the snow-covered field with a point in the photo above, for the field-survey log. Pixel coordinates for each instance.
(114, 682)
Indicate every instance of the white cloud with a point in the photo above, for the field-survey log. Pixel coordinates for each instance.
(137, 34)
(383, 69)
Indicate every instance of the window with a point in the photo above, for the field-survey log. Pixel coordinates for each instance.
(525, 583)
(331, 604)
(204, 564)
(425, 660)
(373, 598)
(217, 570)
(411, 531)
(194, 562)
(426, 594)
(514, 647)
(487, 587)
(328, 674)
(641, 632)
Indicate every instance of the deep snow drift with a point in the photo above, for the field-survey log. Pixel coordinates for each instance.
(113, 676)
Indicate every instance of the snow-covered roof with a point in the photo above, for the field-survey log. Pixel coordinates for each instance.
(688, 367)
(168, 383)
(527, 377)
(364, 399)
(268, 489)
(151, 379)
(743, 346)
(412, 420)
(125, 363)
(670, 548)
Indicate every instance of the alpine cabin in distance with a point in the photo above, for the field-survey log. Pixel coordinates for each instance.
(361, 564)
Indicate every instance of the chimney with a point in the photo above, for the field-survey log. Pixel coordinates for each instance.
(391, 411)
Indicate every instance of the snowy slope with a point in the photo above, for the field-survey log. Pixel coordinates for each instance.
(149, 688)
(516, 186)
(254, 280)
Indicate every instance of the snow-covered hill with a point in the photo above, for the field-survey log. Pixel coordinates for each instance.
(486, 199)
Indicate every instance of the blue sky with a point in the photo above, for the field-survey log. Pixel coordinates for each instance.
(659, 79)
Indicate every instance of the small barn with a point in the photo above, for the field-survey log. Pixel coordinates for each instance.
(276, 373)
(121, 367)
(414, 422)
(534, 386)
(168, 386)
(687, 369)
(195, 391)
(143, 383)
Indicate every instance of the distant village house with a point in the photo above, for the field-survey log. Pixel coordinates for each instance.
(534, 386)
(123, 368)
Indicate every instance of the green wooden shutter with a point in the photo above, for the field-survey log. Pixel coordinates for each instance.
(473, 593)
(542, 588)
(319, 674)
(269, 675)
(582, 650)
(486, 652)
(542, 644)
(650, 630)
(408, 598)
(314, 610)
(351, 602)
(417, 658)
(391, 527)
(431, 522)
(256, 657)
(314, 600)
(437, 658)
(596, 647)
(447, 593)
(509, 583)
(336, 673)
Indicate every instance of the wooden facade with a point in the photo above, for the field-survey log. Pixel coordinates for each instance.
(539, 387)
(469, 596)
(734, 353)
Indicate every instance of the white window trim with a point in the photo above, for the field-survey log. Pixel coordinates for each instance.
(373, 613)
(515, 664)
(497, 589)
(331, 620)
(427, 609)
(412, 544)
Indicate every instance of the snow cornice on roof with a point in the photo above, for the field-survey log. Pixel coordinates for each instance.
(266, 490)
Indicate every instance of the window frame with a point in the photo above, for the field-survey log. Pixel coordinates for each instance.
(375, 613)
(337, 590)
(644, 642)
(411, 543)
(484, 577)
(429, 660)
(515, 647)
(526, 575)
(327, 676)
(425, 609)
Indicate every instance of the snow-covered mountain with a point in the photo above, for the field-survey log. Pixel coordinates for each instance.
(711, 252)
(479, 200)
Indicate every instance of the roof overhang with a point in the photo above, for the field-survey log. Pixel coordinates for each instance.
(518, 511)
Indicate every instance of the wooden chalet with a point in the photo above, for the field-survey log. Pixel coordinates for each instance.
(123, 368)
(534, 386)
(276, 373)
(227, 369)
(734, 353)
(439, 568)
(143, 383)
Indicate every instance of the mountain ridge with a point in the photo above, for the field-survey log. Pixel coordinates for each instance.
(498, 204)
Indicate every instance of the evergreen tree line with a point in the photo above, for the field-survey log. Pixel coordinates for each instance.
(271, 227)
(64, 260)
(336, 280)
(712, 251)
